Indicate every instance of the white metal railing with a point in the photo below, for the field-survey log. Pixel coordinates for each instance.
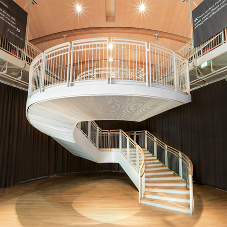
(18, 52)
(171, 157)
(117, 140)
(114, 60)
(194, 53)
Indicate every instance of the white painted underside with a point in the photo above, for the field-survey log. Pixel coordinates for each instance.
(58, 109)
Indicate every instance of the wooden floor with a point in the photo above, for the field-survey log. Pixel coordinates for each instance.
(101, 199)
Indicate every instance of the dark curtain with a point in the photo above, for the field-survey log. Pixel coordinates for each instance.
(199, 129)
(26, 153)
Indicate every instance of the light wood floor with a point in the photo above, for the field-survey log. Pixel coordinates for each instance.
(101, 199)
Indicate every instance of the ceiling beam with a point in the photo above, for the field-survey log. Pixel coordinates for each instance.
(94, 30)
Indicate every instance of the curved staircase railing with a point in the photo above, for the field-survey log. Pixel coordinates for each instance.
(114, 61)
(128, 142)
(171, 157)
(113, 140)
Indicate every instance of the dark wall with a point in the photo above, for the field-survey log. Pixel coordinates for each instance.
(199, 129)
(26, 153)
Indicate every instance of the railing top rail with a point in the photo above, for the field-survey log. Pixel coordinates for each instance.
(143, 165)
(33, 47)
(55, 48)
(129, 40)
(164, 146)
(80, 41)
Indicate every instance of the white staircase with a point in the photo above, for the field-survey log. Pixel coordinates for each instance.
(163, 188)
(71, 85)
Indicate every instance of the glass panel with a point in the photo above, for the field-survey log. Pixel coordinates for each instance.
(173, 162)
(184, 171)
(161, 154)
(150, 145)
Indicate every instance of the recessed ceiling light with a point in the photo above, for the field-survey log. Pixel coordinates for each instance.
(78, 8)
(142, 7)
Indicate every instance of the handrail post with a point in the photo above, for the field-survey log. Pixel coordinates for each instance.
(128, 147)
(149, 63)
(134, 136)
(137, 158)
(155, 147)
(89, 130)
(176, 79)
(120, 140)
(166, 156)
(147, 83)
(69, 67)
(43, 73)
(109, 139)
(145, 139)
(187, 78)
(180, 165)
(97, 137)
(140, 187)
(191, 194)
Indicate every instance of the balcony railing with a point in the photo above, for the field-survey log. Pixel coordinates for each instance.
(194, 53)
(22, 54)
(117, 60)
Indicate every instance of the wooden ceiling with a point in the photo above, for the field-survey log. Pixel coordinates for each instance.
(50, 19)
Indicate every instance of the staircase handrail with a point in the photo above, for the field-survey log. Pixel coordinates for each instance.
(169, 148)
(101, 131)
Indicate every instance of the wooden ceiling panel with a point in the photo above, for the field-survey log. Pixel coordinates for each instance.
(50, 17)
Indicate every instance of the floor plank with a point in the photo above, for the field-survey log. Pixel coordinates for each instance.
(101, 199)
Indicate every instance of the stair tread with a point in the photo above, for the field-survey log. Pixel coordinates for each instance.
(153, 167)
(165, 181)
(167, 188)
(163, 176)
(152, 163)
(160, 171)
(168, 195)
(168, 203)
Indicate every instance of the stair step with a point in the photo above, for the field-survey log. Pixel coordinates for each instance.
(159, 172)
(149, 155)
(152, 161)
(148, 164)
(151, 168)
(168, 189)
(183, 198)
(162, 177)
(182, 207)
(165, 183)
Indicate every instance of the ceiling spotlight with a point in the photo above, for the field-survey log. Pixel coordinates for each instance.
(78, 8)
(142, 7)
(110, 46)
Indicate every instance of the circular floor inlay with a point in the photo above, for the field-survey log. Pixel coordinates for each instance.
(106, 203)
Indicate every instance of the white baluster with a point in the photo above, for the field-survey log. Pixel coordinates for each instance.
(120, 140)
(145, 140)
(97, 137)
(89, 130)
(128, 147)
(155, 147)
(166, 156)
(180, 164)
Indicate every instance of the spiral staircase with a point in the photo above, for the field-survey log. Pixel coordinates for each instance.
(73, 84)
